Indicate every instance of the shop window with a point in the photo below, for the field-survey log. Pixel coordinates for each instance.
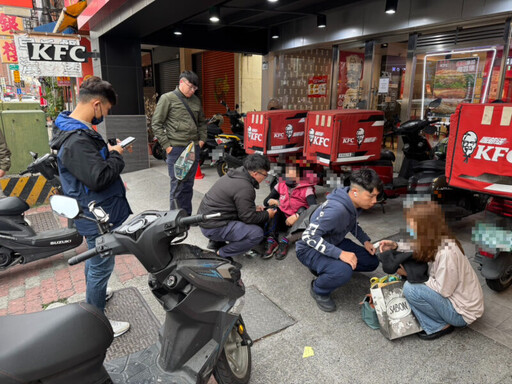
(466, 76)
(303, 79)
(507, 86)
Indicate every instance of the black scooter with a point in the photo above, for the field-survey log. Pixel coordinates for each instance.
(213, 129)
(20, 244)
(233, 153)
(202, 294)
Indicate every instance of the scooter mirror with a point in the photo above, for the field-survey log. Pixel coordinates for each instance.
(65, 206)
(435, 103)
(185, 162)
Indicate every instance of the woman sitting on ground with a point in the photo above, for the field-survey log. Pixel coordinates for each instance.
(452, 295)
(292, 196)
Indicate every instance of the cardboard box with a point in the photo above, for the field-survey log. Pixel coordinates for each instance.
(343, 136)
(479, 154)
(275, 132)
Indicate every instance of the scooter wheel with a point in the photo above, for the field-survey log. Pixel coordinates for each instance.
(503, 282)
(234, 364)
(222, 168)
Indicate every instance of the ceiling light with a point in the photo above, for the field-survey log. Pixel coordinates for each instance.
(273, 1)
(274, 33)
(214, 14)
(177, 31)
(391, 6)
(321, 21)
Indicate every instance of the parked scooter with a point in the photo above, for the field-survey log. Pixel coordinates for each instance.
(213, 129)
(202, 294)
(20, 243)
(429, 179)
(233, 153)
(493, 239)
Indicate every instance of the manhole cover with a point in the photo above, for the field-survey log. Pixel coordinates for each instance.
(261, 316)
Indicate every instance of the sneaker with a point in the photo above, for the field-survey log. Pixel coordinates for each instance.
(251, 254)
(272, 246)
(325, 303)
(109, 294)
(215, 245)
(282, 251)
(425, 336)
(119, 327)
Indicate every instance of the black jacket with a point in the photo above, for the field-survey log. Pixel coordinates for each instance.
(417, 272)
(233, 195)
(89, 172)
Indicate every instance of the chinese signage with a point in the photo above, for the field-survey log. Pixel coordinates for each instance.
(8, 24)
(455, 79)
(49, 55)
(64, 81)
(317, 86)
(8, 51)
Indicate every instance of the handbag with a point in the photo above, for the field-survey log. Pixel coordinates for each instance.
(395, 316)
(368, 313)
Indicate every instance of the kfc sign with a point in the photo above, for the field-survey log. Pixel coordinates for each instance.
(484, 152)
(254, 135)
(316, 138)
(56, 52)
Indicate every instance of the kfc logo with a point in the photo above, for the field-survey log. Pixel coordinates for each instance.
(360, 137)
(348, 140)
(254, 135)
(289, 131)
(316, 138)
(279, 135)
(484, 152)
(469, 141)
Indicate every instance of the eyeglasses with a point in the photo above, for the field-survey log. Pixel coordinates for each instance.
(265, 175)
(190, 85)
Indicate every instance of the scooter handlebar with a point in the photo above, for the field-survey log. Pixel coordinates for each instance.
(196, 219)
(83, 256)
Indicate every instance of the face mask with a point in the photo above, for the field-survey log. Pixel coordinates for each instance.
(411, 232)
(291, 183)
(97, 120)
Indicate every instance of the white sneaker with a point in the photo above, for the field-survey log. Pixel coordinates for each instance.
(109, 294)
(119, 327)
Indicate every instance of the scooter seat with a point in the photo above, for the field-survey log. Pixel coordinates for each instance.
(12, 206)
(41, 344)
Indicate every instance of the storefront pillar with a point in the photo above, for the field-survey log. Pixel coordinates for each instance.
(369, 50)
(504, 57)
(335, 72)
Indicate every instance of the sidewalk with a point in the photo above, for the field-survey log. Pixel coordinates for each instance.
(345, 349)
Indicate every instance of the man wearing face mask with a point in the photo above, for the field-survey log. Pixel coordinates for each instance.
(90, 171)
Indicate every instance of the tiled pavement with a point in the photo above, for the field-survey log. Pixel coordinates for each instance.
(30, 287)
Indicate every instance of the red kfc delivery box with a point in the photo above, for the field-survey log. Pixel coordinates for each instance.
(479, 154)
(275, 132)
(343, 136)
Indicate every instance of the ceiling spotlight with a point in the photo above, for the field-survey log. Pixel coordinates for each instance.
(177, 31)
(214, 14)
(274, 33)
(321, 21)
(391, 6)
(273, 1)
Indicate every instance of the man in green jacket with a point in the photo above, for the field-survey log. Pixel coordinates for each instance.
(175, 126)
(5, 158)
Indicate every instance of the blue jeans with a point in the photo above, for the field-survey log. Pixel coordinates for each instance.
(183, 194)
(242, 237)
(433, 311)
(333, 273)
(97, 272)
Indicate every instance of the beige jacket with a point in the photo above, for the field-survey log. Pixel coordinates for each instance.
(452, 276)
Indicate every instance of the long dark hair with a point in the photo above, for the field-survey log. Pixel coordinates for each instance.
(431, 229)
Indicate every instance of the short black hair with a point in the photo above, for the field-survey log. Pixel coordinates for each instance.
(95, 87)
(256, 162)
(191, 77)
(367, 179)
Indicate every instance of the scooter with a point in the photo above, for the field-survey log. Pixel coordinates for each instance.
(209, 150)
(233, 153)
(202, 294)
(493, 239)
(20, 244)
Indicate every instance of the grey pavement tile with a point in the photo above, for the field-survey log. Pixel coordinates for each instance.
(16, 292)
(32, 282)
(504, 299)
(47, 273)
(493, 333)
(494, 314)
(4, 302)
